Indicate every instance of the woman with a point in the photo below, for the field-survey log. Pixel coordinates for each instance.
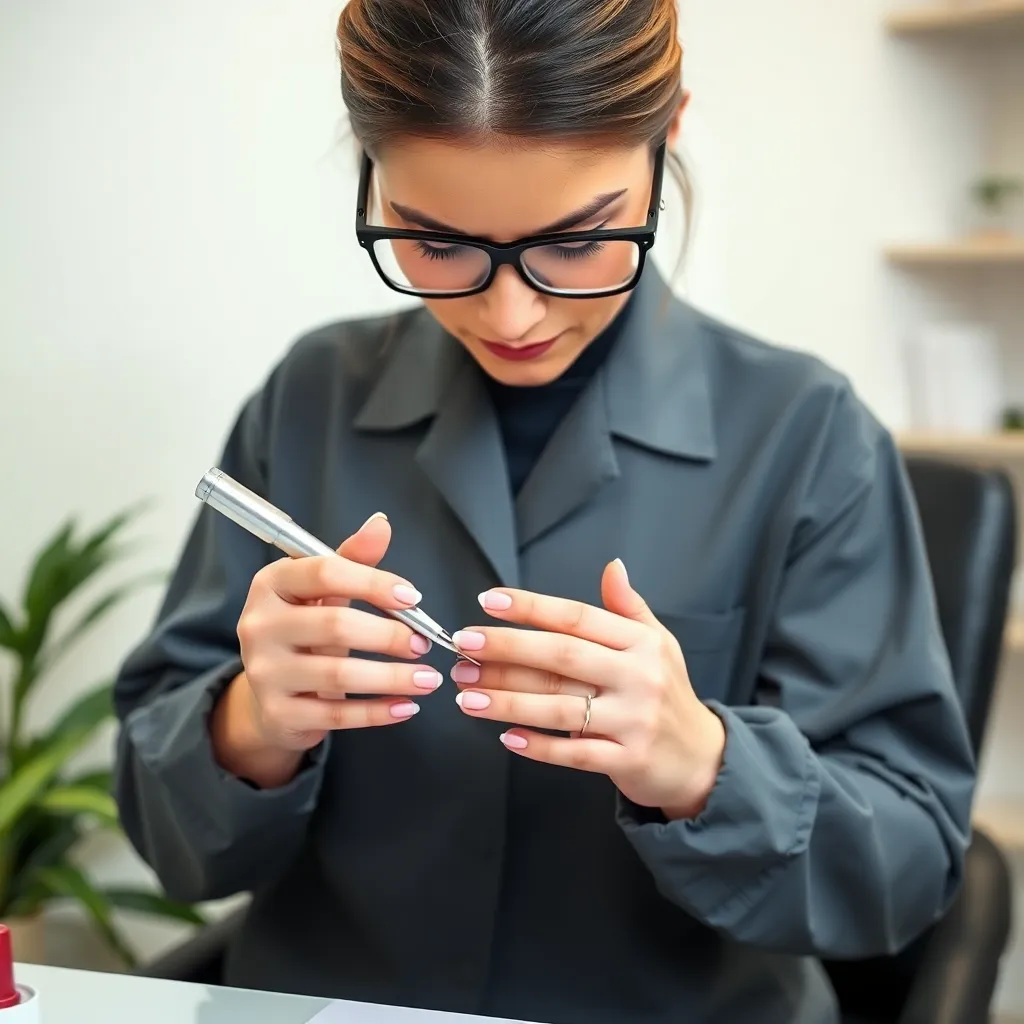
(675, 788)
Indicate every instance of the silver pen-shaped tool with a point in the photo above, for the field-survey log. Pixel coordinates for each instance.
(270, 524)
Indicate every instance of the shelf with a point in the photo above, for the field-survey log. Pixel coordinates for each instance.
(1009, 445)
(1003, 821)
(968, 253)
(1014, 637)
(932, 18)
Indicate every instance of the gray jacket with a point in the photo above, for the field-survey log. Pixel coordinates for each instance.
(764, 515)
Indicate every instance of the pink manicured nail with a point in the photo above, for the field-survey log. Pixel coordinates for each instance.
(427, 679)
(513, 742)
(468, 640)
(473, 701)
(406, 710)
(376, 515)
(419, 644)
(407, 595)
(495, 601)
(464, 672)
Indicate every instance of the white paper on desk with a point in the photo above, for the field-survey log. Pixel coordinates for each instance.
(344, 1012)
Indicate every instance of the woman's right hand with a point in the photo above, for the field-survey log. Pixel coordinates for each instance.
(296, 632)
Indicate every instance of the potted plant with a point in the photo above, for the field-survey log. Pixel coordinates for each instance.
(994, 195)
(47, 806)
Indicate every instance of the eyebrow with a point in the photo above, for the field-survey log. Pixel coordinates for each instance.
(581, 216)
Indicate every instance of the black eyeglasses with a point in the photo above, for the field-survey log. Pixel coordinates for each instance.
(572, 264)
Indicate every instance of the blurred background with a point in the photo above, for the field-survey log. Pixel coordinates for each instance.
(176, 205)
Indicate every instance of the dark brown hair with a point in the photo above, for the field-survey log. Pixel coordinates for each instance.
(601, 71)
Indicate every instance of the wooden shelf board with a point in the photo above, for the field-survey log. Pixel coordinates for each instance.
(1009, 445)
(1014, 638)
(1003, 820)
(936, 17)
(969, 252)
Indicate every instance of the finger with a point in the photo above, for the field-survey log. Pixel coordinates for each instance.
(311, 715)
(301, 580)
(337, 677)
(560, 615)
(369, 544)
(586, 755)
(323, 629)
(557, 653)
(619, 596)
(500, 676)
(541, 711)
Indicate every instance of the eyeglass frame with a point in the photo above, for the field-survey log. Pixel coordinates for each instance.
(511, 253)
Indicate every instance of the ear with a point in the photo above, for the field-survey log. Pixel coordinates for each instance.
(619, 596)
(676, 127)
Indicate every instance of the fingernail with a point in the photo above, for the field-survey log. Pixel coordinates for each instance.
(407, 595)
(464, 672)
(427, 679)
(622, 566)
(376, 515)
(419, 644)
(406, 710)
(473, 701)
(495, 601)
(468, 640)
(514, 742)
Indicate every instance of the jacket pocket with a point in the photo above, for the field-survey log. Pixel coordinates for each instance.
(710, 645)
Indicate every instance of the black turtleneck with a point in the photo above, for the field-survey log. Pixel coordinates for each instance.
(528, 416)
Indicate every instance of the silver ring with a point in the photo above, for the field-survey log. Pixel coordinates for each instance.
(586, 717)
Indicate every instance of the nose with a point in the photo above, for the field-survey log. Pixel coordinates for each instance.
(511, 308)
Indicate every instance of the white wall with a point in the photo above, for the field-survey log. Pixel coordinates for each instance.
(176, 205)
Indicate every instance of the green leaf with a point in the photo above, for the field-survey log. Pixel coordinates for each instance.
(86, 714)
(46, 843)
(9, 638)
(23, 788)
(62, 568)
(101, 780)
(96, 612)
(153, 904)
(65, 880)
(71, 801)
(47, 565)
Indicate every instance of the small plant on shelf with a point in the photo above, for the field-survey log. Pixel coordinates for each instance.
(47, 805)
(995, 195)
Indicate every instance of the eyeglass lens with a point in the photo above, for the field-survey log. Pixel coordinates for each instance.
(574, 268)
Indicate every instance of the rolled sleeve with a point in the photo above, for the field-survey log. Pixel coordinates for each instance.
(206, 833)
(199, 824)
(840, 818)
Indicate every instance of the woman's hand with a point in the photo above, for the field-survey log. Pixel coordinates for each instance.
(296, 632)
(648, 731)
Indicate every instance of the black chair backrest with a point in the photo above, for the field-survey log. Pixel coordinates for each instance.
(969, 518)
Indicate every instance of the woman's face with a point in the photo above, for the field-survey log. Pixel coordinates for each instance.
(501, 193)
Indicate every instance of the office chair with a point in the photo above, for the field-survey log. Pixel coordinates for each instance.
(949, 975)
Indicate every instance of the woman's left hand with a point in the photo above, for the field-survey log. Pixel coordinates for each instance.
(648, 730)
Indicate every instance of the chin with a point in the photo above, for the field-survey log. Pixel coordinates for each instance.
(524, 375)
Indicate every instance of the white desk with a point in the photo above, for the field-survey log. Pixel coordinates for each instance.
(87, 997)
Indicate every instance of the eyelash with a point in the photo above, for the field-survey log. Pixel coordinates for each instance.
(574, 252)
(433, 253)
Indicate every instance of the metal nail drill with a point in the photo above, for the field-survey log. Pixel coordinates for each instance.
(270, 524)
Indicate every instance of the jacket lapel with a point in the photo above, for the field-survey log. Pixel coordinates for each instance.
(654, 392)
(428, 376)
(577, 462)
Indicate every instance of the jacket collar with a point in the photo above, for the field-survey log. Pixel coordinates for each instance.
(656, 379)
